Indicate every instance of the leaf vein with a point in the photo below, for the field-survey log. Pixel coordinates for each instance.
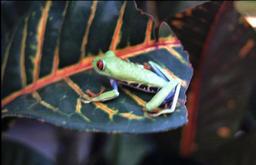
(87, 30)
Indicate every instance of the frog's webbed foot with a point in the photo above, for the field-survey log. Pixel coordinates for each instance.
(161, 112)
(85, 101)
(102, 96)
(92, 94)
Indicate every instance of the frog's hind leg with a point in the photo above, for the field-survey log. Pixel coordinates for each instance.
(163, 74)
(173, 105)
(173, 93)
(161, 96)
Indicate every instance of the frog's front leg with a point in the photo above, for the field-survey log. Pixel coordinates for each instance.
(170, 88)
(109, 95)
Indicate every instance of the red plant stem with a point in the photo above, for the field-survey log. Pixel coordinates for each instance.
(187, 145)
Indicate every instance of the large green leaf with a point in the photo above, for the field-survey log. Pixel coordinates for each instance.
(47, 66)
(126, 149)
(247, 9)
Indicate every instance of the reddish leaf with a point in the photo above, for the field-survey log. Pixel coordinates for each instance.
(223, 52)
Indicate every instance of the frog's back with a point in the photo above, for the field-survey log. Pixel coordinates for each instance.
(129, 72)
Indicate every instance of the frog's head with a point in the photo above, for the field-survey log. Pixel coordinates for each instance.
(103, 65)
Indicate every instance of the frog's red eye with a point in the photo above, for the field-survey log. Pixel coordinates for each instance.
(100, 65)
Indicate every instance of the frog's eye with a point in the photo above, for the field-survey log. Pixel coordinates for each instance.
(100, 65)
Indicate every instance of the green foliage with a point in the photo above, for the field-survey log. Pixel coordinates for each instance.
(221, 119)
(16, 153)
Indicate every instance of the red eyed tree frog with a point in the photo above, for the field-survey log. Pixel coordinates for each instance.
(136, 76)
